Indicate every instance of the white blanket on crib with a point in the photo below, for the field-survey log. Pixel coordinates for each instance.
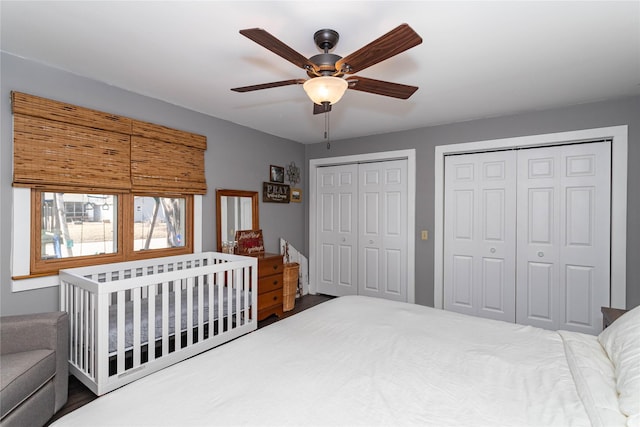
(365, 361)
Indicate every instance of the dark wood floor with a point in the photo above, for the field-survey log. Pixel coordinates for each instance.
(80, 395)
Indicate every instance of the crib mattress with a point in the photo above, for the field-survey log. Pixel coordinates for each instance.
(144, 324)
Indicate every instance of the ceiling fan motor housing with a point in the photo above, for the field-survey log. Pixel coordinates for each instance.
(326, 63)
(326, 39)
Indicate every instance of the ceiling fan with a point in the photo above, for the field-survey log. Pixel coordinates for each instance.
(326, 83)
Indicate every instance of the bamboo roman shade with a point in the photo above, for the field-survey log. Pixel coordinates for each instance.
(166, 158)
(62, 146)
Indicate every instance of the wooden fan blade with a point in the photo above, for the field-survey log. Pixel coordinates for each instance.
(394, 42)
(379, 87)
(319, 109)
(270, 42)
(269, 85)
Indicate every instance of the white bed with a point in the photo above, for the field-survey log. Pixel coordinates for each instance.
(365, 361)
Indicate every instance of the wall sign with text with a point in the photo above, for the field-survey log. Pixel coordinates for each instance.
(275, 193)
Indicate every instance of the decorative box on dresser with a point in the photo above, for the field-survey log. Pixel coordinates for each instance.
(270, 277)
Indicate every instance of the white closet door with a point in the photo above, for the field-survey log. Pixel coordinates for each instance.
(337, 229)
(564, 236)
(479, 248)
(382, 246)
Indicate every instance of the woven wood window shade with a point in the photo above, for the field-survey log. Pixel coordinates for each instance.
(50, 154)
(166, 160)
(61, 146)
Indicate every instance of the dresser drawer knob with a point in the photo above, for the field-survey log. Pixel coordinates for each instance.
(275, 282)
(275, 267)
(275, 298)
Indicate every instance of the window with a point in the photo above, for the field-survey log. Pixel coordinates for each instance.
(75, 229)
(104, 188)
(73, 224)
(159, 222)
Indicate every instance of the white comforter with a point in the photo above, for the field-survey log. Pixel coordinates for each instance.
(365, 361)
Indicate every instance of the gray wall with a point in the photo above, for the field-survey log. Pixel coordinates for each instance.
(236, 158)
(624, 111)
(239, 158)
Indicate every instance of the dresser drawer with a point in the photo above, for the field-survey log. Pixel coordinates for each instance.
(269, 283)
(269, 266)
(270, 299)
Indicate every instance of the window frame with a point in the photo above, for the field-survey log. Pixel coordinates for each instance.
(124, 235)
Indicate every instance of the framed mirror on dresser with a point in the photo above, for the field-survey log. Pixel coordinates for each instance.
(238, 210)
(235, 210)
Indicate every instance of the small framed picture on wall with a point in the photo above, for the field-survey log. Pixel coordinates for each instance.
(296, 195)
(276, 173)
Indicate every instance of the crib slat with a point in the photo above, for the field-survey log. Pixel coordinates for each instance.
(229, 291)
(245, 293)
(212, 308)
(135, 294)
(200, 309)
(189, 313)
(177, 314)
(238, 281)
(76, 316)
(120, 328)
(71, 310)
(102, 331)
(80, 324)
(220, 282)
(151, 322)
(92, 335)
(85, 312)
(165, 318)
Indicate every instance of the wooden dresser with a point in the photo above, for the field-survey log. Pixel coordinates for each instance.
(270, 269)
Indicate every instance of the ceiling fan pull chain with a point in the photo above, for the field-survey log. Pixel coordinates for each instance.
(327, 136)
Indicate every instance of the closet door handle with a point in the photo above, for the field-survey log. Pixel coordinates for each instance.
(492, 250)
(371, 242)
(540, 254)
(344, 239)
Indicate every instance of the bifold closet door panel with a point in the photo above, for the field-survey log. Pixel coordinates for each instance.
(337, 229)
(563, 269)
(382, 240)
(479, 243)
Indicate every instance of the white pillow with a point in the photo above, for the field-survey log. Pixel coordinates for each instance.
(621, 341)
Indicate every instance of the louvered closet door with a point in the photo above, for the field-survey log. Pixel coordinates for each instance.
(337, 232)
(382, 245)
(479, 244)
(564, 236)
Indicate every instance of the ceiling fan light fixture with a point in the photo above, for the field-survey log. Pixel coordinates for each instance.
(325, 89)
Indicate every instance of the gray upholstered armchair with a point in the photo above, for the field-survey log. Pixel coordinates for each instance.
(34, 369)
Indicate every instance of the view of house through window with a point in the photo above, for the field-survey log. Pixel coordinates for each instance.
(77, 225)
(159, 222)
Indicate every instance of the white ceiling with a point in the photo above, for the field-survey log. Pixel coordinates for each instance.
(478, 58)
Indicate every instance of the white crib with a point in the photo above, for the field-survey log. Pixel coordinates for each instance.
(186, 304)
